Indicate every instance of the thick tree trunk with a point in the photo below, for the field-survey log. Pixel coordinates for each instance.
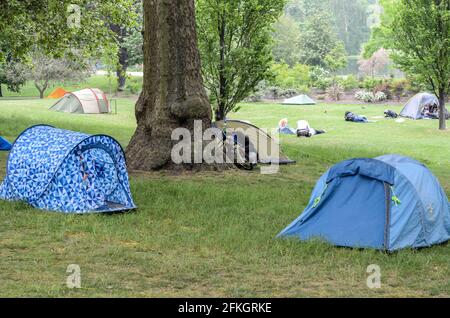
(173, 95)
(1, 92)
(442, 119)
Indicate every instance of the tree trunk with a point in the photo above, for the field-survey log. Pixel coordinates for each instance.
(442, 119)
(1, 92)
(220, 113)
(173, 95)
(122, 69)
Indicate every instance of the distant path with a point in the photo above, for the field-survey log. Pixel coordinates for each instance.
(141, 74)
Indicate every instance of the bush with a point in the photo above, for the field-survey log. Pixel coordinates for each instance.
(320, 78)
(369, 84)
(365, 96)
(285, 77)
(385, 88)
(380, 97)
(134, 85)
(350, 82)
(399, 88)
(335, 91)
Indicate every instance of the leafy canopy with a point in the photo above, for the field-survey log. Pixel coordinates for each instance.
(236, 47)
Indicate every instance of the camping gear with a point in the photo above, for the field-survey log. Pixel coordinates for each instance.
(86, 101)
(260, 142)
(349, 116)
(390, 114)
(283, 128)
(65, 171)
(5, 145)
(299, 100)
(422, 106)
(57, 93)
(388, 203)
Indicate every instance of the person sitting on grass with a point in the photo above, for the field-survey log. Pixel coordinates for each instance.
(305, 130)
(349, 116)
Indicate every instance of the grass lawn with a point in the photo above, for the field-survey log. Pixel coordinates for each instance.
(213, 234)
(96, 81)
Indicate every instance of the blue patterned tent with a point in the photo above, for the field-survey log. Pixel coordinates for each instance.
(59, 170)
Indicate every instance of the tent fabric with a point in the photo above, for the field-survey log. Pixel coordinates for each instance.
(415, 106)
(299, 100)
(65, 171)
(86, 101)
(57, 93)
(257, 138)
(4, 144)
(387, 203)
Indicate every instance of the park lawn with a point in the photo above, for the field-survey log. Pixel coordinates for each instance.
(103, 82)
(213, 234)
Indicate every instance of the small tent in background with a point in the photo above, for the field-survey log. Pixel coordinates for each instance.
(5, 145)
(260, 142)
(57, 93)
(299, 100)
(416, 107)
(388, 203)
(65, 171)
(86, 101)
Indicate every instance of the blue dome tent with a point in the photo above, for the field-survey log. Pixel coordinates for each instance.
(4, 144)
(59, 170)
(388, 203)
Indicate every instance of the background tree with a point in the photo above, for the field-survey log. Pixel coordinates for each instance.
(173, 94)
(286, 41)
(235, 43)
(351, 24)
(376, 63)
(12, 74)
(45, 71)
(317, 37)
(25, 25)
(421, 44)
(130, 43)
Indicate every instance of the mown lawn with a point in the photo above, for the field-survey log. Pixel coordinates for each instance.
(213, 234)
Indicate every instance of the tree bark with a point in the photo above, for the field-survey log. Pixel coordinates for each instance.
(1, 92)
(122, 69)
(442, 119)
(173, 95)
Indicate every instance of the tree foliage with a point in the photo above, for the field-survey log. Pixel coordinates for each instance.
(44, 71)
(53, 26)
(236, 47)
(286, 40)
(421, 44)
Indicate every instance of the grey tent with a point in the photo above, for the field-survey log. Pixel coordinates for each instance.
(299, 100)
(86, 101)
(260, 142)
(418, 106)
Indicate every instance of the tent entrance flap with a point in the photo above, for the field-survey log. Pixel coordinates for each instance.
(360, 223)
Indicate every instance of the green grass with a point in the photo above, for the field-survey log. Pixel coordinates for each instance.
(97, 81)
(213, 234)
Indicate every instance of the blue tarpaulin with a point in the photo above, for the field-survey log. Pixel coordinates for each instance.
(4, 144)
(388, 203)
(60, 170)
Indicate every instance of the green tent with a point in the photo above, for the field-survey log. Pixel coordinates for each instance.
(299, 100)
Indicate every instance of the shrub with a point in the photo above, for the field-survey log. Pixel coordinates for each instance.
(335, 91)
(320, 78)
(285, 77)
(350, 82)
(370, 83)
(399, 88)
(386, 88)
(365, 96)
(380, 97)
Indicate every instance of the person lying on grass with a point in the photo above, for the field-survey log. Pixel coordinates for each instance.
(349, 116)
(305, 130)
